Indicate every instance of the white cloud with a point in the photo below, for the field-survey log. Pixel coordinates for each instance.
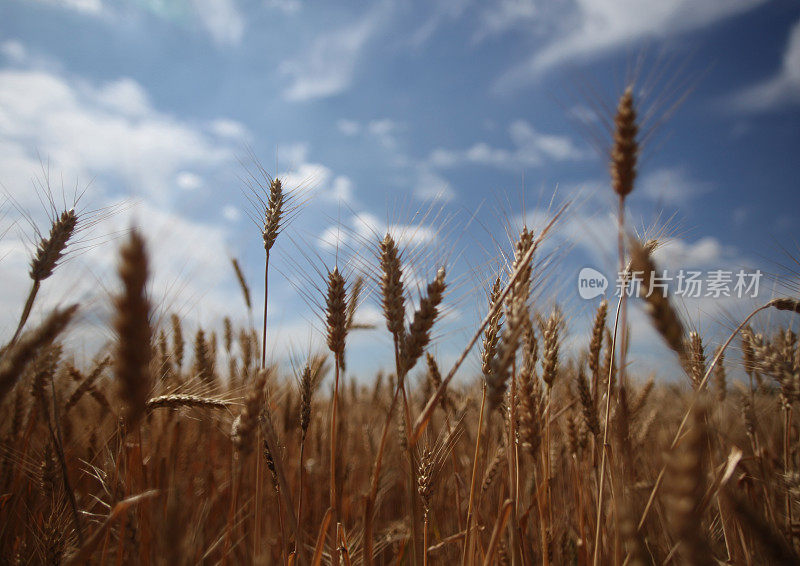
(671, 186)
(307, 176)
(531, 149)
(125, 96)
(222, 19)
(588, 28)
(18, 168)
(188, 181)
(505, 15)
(595, 235)
(366, 227)
(584, 114)
(230, 129)
(285, 6)
(348, 127)
(441, 157)
(231, 213)
(13, 51)
(84, 131)
(433, 187)
(333, 238)
(783, 88)
(321, 180)
(442, 11)
(342, 189)
(384, 131)
(706, 252)
(555, 147)
(328, 66)
(86, 6)
(293, 154)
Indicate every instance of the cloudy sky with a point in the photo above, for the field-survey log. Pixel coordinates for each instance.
(447, 122)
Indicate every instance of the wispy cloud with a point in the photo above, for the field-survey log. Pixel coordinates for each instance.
(230, 129)
(672, 186)
(431, 186)
(13, 51)
(328, 65)
(320, 180)
(590, 28)
(382, 130)
(85, 6)
(531, 149)
(367, 227)
(780, 89)
(502, 16)
(285, 6)
(707, 252)
(348, 127)
(441, 12)
(221, 19)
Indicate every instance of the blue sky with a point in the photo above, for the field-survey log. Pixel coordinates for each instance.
(380, 110)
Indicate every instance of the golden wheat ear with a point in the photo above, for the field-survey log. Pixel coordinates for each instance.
(392, 292)
(51, 249)
(49, 252)
(419, 331)
(662, 314)
(336, 314)
(625, 150)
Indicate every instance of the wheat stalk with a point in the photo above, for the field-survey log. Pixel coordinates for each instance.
(49, 252)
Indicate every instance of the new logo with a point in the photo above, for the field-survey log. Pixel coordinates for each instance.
(591, 283)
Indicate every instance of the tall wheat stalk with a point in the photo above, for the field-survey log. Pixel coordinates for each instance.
(624, 157)
(49, 252)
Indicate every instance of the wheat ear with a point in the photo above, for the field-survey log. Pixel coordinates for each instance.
(132, 326)
(273, 218)
(48, 253)
(662, 314)
(336, 326)
(177, 401)
(392, 293)
(419, 331)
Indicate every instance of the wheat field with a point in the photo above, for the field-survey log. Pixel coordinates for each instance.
(178, 449)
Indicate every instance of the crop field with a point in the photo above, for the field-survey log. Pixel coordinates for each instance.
(179, 445)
